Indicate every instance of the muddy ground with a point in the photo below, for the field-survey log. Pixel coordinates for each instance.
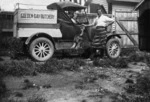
(89, 84)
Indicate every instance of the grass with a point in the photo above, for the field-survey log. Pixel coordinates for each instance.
(31, 99)
(28, 67)
(55, 65)
(3, 88)
(128, 51)
(13, 46)
(137, 57)
(122, 62)
(18, 68)
(37, 99)
(140, 91)
(106, 63)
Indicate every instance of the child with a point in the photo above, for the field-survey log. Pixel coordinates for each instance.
(78, 39)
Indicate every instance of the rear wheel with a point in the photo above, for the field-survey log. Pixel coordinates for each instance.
(113, 48)
(41, 49)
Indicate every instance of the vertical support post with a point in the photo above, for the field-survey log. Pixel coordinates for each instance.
(80, 2)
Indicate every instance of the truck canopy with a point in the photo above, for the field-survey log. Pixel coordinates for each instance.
(66, 5)
(61, 7)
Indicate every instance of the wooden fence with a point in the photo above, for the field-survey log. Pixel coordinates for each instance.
(129, 21)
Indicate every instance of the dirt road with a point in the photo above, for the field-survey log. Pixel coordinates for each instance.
(90, 84)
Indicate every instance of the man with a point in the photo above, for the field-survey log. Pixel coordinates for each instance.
(99, 28)
(99, 32)
(73, 16)
(102, 20)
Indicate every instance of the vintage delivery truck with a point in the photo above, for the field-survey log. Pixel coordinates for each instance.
(44, 31)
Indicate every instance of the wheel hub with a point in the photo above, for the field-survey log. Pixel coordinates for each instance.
(42, 50)
(113, 49)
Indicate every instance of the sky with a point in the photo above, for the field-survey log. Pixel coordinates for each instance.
(9, 5)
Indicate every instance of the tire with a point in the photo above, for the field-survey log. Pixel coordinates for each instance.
(113, 48)
(41, 49)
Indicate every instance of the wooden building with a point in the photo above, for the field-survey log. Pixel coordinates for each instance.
(6, 23)
(82, 2)
(92, 6)
(122, 5)
(144, 24)
(122, 10)
(109, 5)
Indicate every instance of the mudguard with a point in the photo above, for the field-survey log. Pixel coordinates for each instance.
(110, 35)
(34, 36)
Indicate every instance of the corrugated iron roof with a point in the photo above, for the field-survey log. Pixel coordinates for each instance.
(6, 12)
(135, 1)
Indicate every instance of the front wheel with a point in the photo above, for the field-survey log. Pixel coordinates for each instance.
(41, 49)
(113, 48)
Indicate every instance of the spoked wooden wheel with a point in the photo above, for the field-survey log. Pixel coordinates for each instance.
(113, 48)
(41, 49)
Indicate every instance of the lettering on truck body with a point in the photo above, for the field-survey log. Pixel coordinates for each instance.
(37, 16)
(40, 16)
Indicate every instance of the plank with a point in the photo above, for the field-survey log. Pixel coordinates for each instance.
(127, 32)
